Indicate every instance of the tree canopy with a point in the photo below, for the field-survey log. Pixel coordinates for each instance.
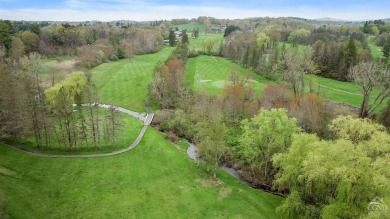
(335, 178)
(266, 134)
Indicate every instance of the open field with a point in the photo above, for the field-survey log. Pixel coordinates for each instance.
(197, 44)
(154, 180)
(125, 82)
(51, 64)
(191, 26)
(211, 74)
(376, 52)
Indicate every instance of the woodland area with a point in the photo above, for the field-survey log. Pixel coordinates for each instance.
(276, 139)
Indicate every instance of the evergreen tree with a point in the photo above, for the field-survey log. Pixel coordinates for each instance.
(184, 38)
(172, 38)
(6, 32)
(195, 33)
(229, 30)
(386, 48)
(351, 53)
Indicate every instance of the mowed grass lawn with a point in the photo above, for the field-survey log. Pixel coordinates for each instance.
(341, 91)
(376, 51)
(196, 44)
(212, 74)
(191, 26)
(154, 180)
(125, 82)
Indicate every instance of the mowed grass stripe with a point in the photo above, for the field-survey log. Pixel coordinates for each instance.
(376, 51)
(125, 82)
(155, 180)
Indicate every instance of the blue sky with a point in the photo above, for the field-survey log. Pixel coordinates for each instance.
(140, 10)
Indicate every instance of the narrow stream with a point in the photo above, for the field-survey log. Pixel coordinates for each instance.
(192, 152)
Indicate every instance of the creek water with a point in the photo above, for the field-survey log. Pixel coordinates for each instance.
(192, 152)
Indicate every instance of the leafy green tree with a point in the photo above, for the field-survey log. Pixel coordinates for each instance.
(172, 38)
(334, 179)
(17, 48)
(298, 62)
(266, 134)
(30, 41)
(212, 146)
(208, 45)
(195, 33)
(184, 37)
(386, 48)
(6, 32)
(60, 99)
(299, 36)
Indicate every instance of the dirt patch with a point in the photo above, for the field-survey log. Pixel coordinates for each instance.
(342, 108)
(209, 182)
(204, 81)
(67, 64)
(253, 81)
(224, 192)
(5, 171)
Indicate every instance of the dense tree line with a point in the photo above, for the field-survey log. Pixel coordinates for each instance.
(93, 44)
(31, 109)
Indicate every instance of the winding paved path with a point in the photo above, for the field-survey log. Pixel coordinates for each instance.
(147, 120)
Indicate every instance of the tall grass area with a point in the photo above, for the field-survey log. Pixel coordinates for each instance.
(154, 180)
(125, 82)
(376, 52)
(211, 74)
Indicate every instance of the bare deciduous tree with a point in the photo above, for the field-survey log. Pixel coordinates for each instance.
(370, 76)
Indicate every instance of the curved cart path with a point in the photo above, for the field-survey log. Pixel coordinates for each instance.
(147, 120)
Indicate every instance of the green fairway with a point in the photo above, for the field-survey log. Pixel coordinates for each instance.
(197, 44)
(376, 52)
(340, 91)
(125, 82)
(211, 74)
(154, 180)
(191, 26)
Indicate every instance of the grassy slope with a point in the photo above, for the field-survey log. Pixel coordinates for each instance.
(125, 82)
(217, 70)
(191, 26)
(197, 44)
(351, 93)
(376, 52)
(154, 180)
(131, 128)
(46, 67)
